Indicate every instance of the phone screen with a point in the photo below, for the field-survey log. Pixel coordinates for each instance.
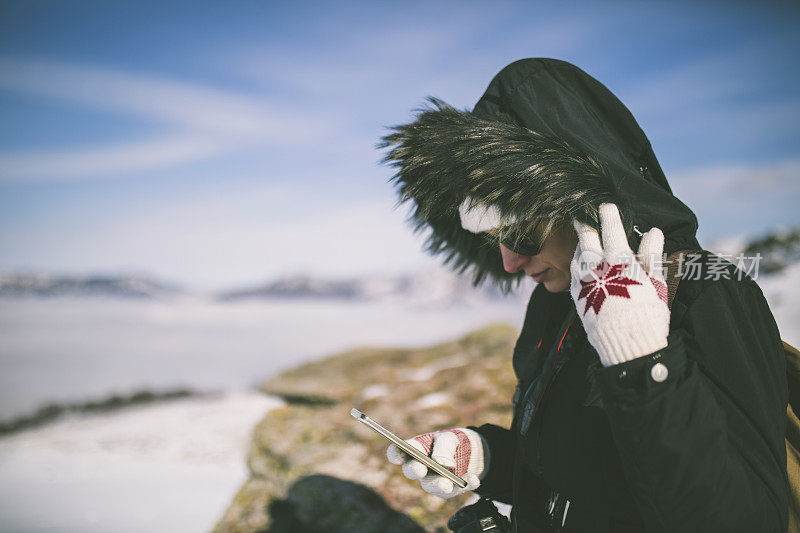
(407, 448)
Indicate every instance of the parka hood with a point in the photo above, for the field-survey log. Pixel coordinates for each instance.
(546, 141)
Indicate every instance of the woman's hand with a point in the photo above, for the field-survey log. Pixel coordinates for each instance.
(621, 300)
(461, 450)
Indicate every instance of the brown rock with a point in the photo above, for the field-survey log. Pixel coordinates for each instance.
(467, 381)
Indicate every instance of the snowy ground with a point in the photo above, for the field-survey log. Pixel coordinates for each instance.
(174, 466)
(170, 467)
(69, 350)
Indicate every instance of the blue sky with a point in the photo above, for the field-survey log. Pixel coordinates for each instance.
(220, 143)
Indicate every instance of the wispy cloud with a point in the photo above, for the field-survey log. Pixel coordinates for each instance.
(354, 66)
(740, 199)
(413, 54)
(164, 100)
(108, 160)
(196, 121)
(358, 238)
(782, 178)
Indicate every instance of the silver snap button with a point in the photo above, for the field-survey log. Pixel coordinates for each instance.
(659, 372)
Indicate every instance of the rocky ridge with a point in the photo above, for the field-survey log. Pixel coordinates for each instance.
(314, 468)
(436, 286)
(114, 286)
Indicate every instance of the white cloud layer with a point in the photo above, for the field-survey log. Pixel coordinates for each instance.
(193, 121)
(226, 238)
(738, 179)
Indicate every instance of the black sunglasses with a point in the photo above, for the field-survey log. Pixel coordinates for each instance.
(520, 244)
(518, 240)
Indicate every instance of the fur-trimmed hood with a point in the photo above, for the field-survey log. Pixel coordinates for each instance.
(546, 141)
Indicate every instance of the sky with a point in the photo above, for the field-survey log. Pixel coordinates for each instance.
(219, 144)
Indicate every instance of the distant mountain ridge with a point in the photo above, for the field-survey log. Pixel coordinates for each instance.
(778, 249)
(435, 286)
(38, 285)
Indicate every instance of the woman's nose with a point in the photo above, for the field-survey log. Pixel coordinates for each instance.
(512, 261)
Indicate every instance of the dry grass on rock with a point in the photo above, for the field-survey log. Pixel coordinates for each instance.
(468, 381)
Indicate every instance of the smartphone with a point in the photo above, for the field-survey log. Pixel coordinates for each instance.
(407, 448)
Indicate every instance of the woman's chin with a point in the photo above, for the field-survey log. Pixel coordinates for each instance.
(556, 285)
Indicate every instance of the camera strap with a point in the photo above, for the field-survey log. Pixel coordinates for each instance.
(526, 407)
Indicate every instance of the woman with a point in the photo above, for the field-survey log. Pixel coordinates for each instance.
(634, 411)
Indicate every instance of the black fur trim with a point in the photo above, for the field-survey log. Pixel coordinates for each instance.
(447, 155)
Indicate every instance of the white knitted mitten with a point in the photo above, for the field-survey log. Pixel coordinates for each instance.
(621, 300)
(460, 449)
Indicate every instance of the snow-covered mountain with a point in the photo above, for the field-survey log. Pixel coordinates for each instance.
(437, 286)
(25, 285)
(778, 274)
(778, 250)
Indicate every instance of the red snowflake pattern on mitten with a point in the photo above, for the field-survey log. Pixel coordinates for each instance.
(629, 288)
(661, 288)
(612, 283)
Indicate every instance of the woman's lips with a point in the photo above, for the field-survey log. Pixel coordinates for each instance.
(540, 276)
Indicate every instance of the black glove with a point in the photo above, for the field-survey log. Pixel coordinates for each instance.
(479, 517)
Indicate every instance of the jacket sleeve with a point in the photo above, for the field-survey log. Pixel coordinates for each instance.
(498, 481)
(701, 436)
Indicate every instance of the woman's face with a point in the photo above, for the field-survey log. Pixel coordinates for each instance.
(551, 265)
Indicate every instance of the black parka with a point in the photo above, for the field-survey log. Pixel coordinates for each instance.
(701, 451)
